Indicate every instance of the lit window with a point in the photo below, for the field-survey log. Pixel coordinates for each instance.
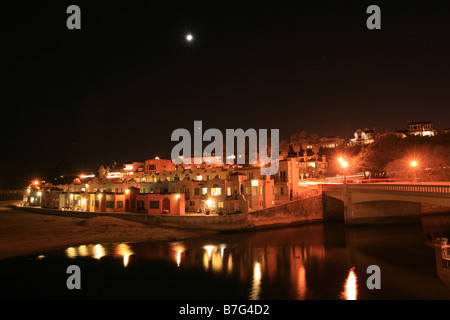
(228, 191)
(204, 191)
(216, 191)
(199, 178)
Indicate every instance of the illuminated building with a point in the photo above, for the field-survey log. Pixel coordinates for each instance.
(210, 187)
(423, 129)
(363, 137)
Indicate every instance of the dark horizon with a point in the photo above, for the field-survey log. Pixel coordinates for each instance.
(116, 89)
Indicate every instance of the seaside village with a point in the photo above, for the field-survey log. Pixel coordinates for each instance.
(158, 186)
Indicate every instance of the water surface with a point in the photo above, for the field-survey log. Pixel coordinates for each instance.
(317, 261)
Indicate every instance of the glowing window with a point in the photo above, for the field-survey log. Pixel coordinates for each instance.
(216, 191)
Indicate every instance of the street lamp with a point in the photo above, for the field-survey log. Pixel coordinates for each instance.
(207, 204)
(344, 165)
(414, 165)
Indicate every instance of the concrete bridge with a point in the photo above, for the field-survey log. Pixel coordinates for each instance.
(363, 202)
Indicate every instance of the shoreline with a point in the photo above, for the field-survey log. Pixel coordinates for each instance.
(26, 233)
(28, 230)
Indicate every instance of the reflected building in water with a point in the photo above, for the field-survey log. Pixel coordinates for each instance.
(97, 251)
(308, 262)
(256, 266)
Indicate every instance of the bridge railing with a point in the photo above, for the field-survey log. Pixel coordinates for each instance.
(419, 188)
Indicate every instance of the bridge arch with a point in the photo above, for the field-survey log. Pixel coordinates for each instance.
(430, 194)
(372, 200)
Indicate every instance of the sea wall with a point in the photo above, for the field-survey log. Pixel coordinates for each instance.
(298, 211)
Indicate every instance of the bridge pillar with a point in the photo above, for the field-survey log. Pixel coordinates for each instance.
(348, 205)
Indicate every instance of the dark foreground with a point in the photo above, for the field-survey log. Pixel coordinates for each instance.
(312, 262)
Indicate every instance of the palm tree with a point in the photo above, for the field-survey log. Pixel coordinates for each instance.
(314, 139)
(304, 142)
(284, 148)
(315, 149)
(296, 143)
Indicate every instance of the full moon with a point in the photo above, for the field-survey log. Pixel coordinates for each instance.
(189, 37)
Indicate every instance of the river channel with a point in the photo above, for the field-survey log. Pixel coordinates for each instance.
(311, 262)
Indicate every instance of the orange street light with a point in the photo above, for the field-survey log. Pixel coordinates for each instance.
(414, 165)
(344, 165)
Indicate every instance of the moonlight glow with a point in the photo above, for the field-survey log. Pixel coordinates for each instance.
(189, 37)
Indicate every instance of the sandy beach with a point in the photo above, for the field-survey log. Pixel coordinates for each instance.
(24, 232)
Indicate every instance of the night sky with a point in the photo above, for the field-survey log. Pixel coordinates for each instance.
(116, 89)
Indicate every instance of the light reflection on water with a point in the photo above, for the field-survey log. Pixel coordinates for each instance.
(255, 265)
(98, 251)
(301, 283)
(308, 262)
(256, 282)
(350, 291)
